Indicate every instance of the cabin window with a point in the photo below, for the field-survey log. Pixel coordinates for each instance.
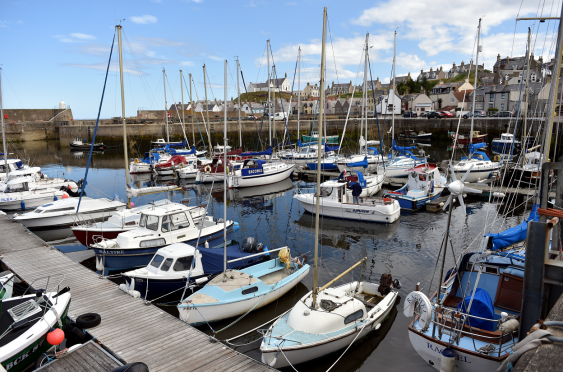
(354, 316)
(179, 221)
(61, 210)
(249, 290)
(157, 260)
(183, 263)
(17, 188)
(166, 265)
(149, 222)
(326, 191)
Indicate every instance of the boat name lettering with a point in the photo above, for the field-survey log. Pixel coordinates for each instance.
(255, 171)
(7, 199)
(359, 211)
(115, 252)
(24, 356)
(461, 358)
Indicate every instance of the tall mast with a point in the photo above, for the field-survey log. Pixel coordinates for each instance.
(274, 100)
(393, 114)
(183, 109)
(165, 106)
(527, 82)
(225, 175)
(268, 105)
(317, 199)
(298, 89)
(4, 148)
(238, 93)
(551, 103)
(207, 111)
(123, 111)
(366, 93)
(193, 111)
(475, 81)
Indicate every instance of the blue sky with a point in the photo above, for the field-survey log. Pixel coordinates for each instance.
(53, 51)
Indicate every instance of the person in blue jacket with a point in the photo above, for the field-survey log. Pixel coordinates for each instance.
(356, 191)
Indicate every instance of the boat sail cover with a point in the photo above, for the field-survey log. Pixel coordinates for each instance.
(267, 152)
(476, 146)
(364, 163)
(482, 307)
(331, 148)
(402, 148)
(512, 235)
(183, 144)
(301, 144)
(359, 175)
(212, 258)
(173, 151)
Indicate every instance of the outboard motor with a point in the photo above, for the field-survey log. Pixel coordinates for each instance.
(249, 245)
(385, 284)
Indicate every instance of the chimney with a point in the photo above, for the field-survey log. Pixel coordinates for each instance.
(286, 75)
(430, 69)
(540, 59)
(454, 65)
(463, 64)
(440, 68)
(498, 57)
(421, 71)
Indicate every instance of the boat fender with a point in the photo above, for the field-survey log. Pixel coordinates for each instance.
(447, 361)
(88, 320)
(396, 284)
(201, 280)
(55, 198)
(123, 287)
(135, 294)
(206, 244)
(509, 326)
(424, 304)
(99, 264)
(79, 334)
(498, 194)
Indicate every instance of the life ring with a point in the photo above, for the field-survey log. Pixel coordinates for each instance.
(423, 303)
(207, 169)
(496, 158)
(136, 160)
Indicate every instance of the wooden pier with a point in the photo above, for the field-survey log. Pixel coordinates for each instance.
(133, 331)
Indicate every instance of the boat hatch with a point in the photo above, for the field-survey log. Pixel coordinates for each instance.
(24, 310)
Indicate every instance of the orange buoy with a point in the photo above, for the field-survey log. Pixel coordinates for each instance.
(56, 336)
(65, 196)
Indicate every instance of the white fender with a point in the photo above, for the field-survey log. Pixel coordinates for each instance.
(99, 264)
(134, 294)
(131, 286)
(424, 305)
(123, 287)
(184, 314)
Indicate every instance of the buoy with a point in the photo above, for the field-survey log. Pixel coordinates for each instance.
(132, 205)
(55, 337)
(55, 198)
(498, 194)
(100, 265)
(22, 204)
(206, 245)
(447, 362)
(65, 196)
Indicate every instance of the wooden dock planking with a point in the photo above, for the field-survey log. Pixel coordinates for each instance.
(130, 329)
(87, 358)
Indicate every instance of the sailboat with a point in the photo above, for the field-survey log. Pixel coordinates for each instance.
(482, 168)
(327, 319)
(237, 292)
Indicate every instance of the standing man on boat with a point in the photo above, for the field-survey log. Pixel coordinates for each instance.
(356, 191)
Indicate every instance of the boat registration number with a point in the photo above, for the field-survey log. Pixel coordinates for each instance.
(24, 356)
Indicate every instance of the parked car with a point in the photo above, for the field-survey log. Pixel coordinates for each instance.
(476, 113)
(409, 114)
(503, 114)
(435, 115)
(447, 114)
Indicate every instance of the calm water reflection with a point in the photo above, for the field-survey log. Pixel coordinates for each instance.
(407, 249)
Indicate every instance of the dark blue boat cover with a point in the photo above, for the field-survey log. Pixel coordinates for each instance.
(183, 144)
(476, 146)
(267, 152)
(172, 151)
(360, 176)
(364, 163)
(331, 148)
(514, 234)
(482, 306)
(212, 258)
(402, 148)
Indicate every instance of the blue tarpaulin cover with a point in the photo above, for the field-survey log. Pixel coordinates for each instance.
(212, 258)
(482, 306)
(360, 176)
(363, 163)
(331, 148)
(476, 146)
(267, 152)
(181, 152)
(183, 144)
(514, 234)
(402, 148)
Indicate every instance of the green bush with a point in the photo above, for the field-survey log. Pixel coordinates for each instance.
(492, 109)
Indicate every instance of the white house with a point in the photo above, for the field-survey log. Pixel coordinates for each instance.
(389, 103)
(277, 85)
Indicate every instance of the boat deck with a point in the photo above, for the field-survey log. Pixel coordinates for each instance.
(132, 331)
(88, 357)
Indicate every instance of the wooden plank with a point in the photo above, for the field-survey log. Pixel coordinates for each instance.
(93, 354)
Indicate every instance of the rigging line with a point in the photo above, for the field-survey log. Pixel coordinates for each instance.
(210, 87)
(538, 30)
(261, 63)
(13, 90)
(515, 24)
(547, 30)
(250, 107)
(193, 112)
(332, 46)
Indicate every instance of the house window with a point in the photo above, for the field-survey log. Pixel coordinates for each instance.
(452, 100)
(490, 105)
(533, 78)
(502, 106)
(492, 98)
(503, 95)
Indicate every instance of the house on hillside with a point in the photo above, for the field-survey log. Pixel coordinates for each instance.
(339, 88)
(276, 85)
(308, 91)
(417, 102)
(438, 74)
(389, 103)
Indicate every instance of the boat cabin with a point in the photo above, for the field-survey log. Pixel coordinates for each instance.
(533, 158)
(506, 137)
(18, 184)
(13, 165)
(422, 180)
(337, 189)
(78, 142)
(175, 260)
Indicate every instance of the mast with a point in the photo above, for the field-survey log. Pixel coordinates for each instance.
(165, 106)
(4, 148)
(274, 100)
(393, 114)
(551, 103)
(317, 199)
(527, 82)
(193, 111)
(298, 90)
(225, 177)
(475, 81)
(183, 109)
(207, 112)
(269, 116)
(123, 111)
(366, 93)
(238, 93)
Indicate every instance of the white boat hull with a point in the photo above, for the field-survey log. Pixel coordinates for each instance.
(204, 177)
(378, 212)
(267, 178)
(13, 202)
(476, 175)
(232, 309)
(135, 168)
(430, 351)
(68, 220)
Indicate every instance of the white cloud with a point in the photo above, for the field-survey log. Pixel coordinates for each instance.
(186, 63)
(83, 36)
(144, 19)
(215, 58)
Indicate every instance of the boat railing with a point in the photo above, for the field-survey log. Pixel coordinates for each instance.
(52, 280)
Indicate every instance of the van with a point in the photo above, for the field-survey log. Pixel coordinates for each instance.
(280, 116)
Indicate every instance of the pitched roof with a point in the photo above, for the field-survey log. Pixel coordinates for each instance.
(464, 93)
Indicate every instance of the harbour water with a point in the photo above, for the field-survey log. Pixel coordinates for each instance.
(407, 249)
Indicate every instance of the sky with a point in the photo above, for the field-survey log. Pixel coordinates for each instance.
(59, 51)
